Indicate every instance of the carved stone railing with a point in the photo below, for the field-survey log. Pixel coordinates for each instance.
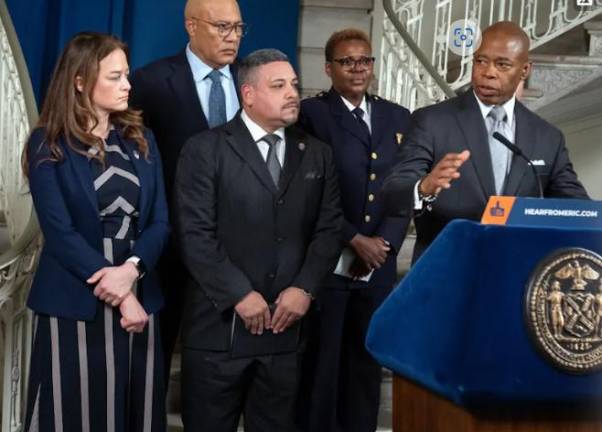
(15, 324)
(405, 79)
(18, 226)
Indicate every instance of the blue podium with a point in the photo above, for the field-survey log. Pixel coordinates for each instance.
(457, 331)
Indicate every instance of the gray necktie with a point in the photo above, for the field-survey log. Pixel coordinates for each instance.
(272, 160)
(217, 100)
(500, 155)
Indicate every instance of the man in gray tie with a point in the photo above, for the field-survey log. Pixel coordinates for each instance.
(258, 220)
(450, 164)
(181, 96)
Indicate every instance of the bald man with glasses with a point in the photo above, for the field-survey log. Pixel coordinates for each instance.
(181, 96)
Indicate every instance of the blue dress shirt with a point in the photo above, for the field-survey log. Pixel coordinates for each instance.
(200, 72)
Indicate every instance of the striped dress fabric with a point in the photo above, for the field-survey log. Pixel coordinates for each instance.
(93, 376)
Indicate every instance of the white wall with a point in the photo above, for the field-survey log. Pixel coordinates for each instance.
(584, 141)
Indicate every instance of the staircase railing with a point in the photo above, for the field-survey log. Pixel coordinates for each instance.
(18, 225)
(409, 78)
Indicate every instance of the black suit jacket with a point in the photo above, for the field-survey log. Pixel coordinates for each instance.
(456, 125)
(166, 93)
(327, 118)
(239, 233)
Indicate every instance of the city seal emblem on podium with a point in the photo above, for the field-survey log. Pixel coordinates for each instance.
(564, 309)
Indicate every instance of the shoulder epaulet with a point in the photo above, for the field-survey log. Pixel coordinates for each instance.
(376, 98)
(320, 95)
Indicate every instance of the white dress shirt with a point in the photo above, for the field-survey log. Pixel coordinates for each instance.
(365, 106)
(257, 132)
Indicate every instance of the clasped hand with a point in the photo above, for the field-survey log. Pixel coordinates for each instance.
(114, 287)
(371, 254)
(291, 305)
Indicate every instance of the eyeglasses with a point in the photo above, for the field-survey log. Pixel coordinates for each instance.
(224, 29)
(352, 63)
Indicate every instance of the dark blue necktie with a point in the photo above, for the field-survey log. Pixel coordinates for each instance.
(358, 113)
(217, 100)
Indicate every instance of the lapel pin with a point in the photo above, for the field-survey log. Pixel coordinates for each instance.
(136, 154)
(301, 146)
(399, 137)
(92, 151)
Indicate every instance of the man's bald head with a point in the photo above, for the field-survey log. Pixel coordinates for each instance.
(508, 30)
(204, 20)
(191, 8)
(196, 7)
(500, 63)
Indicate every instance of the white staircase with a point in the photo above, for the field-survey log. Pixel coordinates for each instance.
(558, 75)
(19, 231)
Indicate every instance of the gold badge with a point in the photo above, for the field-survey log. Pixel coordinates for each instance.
(564, 309)
(399, 137)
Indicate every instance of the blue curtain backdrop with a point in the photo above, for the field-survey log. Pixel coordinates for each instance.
(152, 28)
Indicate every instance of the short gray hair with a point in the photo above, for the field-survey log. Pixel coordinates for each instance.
(247, 66)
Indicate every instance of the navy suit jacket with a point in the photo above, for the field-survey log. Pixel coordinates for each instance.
(166, 93)
(362, 166)
(67, 209)
(456, 125)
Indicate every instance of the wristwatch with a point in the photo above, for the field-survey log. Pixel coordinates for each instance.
(140, 267)
(307, 294)
(427, 198)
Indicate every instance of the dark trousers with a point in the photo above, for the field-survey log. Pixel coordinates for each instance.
(173, 276)
(341, 380)
(217, 389)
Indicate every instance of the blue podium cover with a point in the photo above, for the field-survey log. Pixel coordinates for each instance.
(455, 323)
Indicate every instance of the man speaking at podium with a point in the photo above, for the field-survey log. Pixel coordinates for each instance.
(451, 164)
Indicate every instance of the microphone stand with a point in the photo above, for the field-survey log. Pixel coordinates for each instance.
(517, 151)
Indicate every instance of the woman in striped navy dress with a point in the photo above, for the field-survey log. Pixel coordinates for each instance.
(96, 182)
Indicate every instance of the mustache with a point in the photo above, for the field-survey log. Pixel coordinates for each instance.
(292, 105)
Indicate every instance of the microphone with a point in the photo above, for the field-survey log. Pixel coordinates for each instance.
(517, 151)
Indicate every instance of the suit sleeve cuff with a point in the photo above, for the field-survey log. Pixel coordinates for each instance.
(349, 231)
(133, 259)
(417, 200)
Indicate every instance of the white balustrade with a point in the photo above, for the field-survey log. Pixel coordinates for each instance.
(15, 203)
(17, 223)
(15, 334)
